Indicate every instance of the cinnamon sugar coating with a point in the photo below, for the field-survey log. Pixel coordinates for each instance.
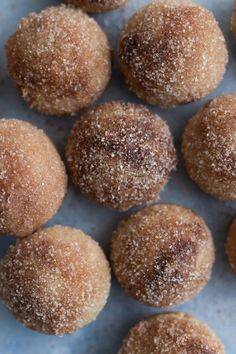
(97, 6)
(209, 147)
(56, 280)
(172, 333)
(33, 180)
(162, 255)
(172, 52)
(120, 154)
(231, 245)
(60, 60)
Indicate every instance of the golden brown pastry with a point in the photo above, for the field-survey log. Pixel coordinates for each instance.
(209, 147)
(120, 154)
(33, 180)
(172, 52)
(172, 333)
(56, 280)
(162, 255)
(60, 60)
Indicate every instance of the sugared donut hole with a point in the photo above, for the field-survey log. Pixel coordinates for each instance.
(171, 333)
(162, 255)
(172, 52)
(120, 154)
(55, 281)
(60, 60)
(209, 147)
(33, 180)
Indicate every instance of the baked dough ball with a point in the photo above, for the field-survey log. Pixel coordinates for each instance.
(94, 6)
(172, 52)
(231, 245)
(33, 180)
(60, 60)
(163, 255)
(56, 280)
(233, 20)
(172, 333)
(209, 147)
(121, 154)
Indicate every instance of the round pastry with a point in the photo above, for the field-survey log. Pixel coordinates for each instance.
(233, 19)
(163, 255)
(231, 245)
(209, 147)
(56, 280)
(96, 6)
(172, 52)
(33, 180)
(121, 154)
(171, 333)
(60, 60)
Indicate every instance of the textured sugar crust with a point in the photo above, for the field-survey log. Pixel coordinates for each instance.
(162, 255)
(33, 180)
(209, 147)
(55, 281)
(97, 6)
(121, 154)
(231, 245)
(172, 52)
(173, 333)
(60, 60)
(233, 20)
